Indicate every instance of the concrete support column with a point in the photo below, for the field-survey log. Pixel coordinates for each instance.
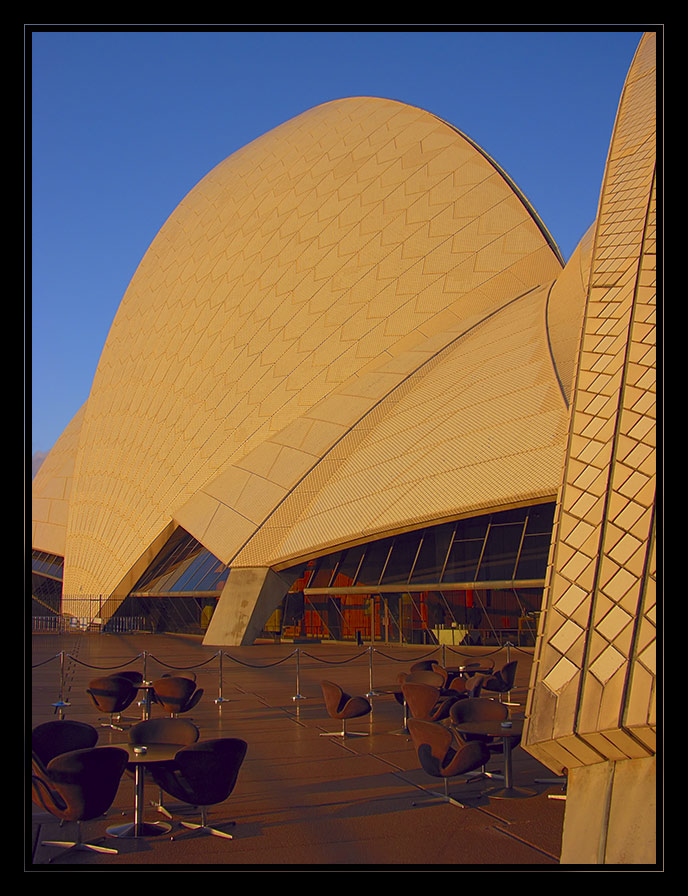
(246, 603)
(611, 814)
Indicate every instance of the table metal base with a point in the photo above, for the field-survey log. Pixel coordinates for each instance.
(144, 829)
(509, 793)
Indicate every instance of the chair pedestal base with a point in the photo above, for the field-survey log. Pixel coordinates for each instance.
(208, 828)
(216, 832)
(161, 808)
(476, 776)
(343, 734)
(71, 846)
(144, 829)
(78, 844)
(440, 798)
(115, 722)
(436, 797)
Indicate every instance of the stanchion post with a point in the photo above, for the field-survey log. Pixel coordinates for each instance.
(298, 695)
(372, 692)
(61, 703)
(220, 698)
(508, 659)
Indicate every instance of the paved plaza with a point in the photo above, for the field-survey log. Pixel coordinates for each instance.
(302, 801)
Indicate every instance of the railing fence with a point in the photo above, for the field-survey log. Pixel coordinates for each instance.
(61, 704)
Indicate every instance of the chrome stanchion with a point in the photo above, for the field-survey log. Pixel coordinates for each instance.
(145, 676)
(298, 695)
(220, 698)
(508, 701)
(146, 687)
(372, 692)
(61, 703)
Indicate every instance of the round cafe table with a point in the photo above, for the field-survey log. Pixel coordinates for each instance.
(470, 669)
(139, 827)
(508, 734)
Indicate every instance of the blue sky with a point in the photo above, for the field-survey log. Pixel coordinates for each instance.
(124, 123)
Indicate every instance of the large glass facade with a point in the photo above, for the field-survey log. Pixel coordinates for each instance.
(179, 590)
(177, 593)
(46, 583)
(477, 580)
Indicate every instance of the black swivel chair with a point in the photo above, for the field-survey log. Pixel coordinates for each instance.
(133, 676)
(176, 694)
(501, 681)
(440, 757)
(79, 786)
(51, 739)
(112, 695)
(480, 709)
(426, 676)
(343, 706)
(202, 775)
(187, 673)
(426, 702)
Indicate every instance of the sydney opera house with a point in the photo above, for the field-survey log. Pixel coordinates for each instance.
(353, 392)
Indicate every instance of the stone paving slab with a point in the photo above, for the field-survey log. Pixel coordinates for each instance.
(301, 800)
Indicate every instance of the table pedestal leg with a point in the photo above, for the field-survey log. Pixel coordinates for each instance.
(139, 827)
(509, 791)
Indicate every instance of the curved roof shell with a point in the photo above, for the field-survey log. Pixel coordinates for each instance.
(319, 286)
(51, 491)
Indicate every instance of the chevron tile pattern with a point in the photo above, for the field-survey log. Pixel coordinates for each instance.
(595, 695)
(295, 287)
(51, 491)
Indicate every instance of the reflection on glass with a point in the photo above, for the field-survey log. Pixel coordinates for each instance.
(462, 562)
(183, 565)
(401, 558)
(532, 563)
(475, 527)
(374, 563)
(348, 567)
(433, 554)
(47, 564)
(501, 551)
(325, 570)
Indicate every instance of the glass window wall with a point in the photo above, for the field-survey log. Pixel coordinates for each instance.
(474, 579)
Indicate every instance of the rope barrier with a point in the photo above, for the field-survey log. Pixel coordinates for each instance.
(103, 668)
(480, 656)
(263, 665)
(180, 668)
(394, 659)
(45, 662)
(340, 662)
(518, 647)
(369, 651)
